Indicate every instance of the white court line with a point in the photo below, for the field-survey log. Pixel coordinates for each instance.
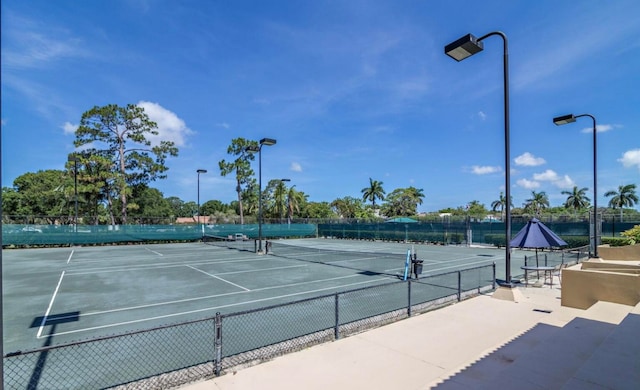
(142, 267)
(44, 319)
(69, 259)
(214, 296)
(213, 308)
(157, 253)
(217, 277)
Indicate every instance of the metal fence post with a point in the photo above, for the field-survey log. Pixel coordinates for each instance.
(459, 286)
(218, 344)
(336, 329)
(494, 276)
(409, 298)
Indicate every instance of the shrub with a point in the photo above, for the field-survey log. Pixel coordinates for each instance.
(617, 241)
(633, 234)
(572, 241)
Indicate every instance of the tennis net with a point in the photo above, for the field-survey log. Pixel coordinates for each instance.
(239, 242)
(367, 263)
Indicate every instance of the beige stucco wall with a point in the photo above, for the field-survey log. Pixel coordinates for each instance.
(582, 288)
(628, 252)
(629, 267)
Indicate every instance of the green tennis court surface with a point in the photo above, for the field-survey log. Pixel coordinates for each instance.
(59, 295)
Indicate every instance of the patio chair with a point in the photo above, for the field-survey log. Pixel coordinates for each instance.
(558, 272)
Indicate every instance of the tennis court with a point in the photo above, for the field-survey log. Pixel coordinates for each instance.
(62, 294)
(151, 311)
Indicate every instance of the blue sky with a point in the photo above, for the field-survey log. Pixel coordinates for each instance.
(351, 90)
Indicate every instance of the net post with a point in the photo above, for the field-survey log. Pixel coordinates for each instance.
(336, 328)
(459, 286)
(218, 344)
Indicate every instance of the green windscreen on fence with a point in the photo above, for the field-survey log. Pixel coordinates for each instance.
(24, 235)
(448, 233)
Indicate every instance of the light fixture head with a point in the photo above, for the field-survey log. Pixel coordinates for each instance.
(563, 120)
(463, 47)
(252, 148)
(201, 171)
(285, 179)
(267, 141)
(73, 158)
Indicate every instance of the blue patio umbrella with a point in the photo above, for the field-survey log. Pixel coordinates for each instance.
(536, 235)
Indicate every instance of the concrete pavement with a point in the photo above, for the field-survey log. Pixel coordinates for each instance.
(424, 351)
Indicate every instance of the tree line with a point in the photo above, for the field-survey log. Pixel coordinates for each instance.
(108, 177)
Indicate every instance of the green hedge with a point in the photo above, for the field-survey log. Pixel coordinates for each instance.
(617, 241)
(572, 241)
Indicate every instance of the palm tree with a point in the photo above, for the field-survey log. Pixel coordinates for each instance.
(576, 199)
(538, 202)
(294, 200)
(626, 196)
(373, 192)
(280, 198)
(501, 204)
(415, 195)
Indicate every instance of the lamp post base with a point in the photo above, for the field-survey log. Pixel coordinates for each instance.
(508, 293)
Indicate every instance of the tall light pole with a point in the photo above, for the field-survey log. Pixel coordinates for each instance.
(74, 159)
(459, 50)
(199, 224)
(268, 142)
(563, 120)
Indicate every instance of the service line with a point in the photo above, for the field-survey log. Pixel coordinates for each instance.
(217, 277)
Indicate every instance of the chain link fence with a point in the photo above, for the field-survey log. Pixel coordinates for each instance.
(170, 356)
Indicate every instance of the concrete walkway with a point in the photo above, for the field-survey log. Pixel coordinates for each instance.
(441, 349)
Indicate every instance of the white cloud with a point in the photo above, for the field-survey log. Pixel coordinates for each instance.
(482, 115)
(565, 182)
(224, 125)
(551, 176)
(31, 44)
(529, 160)
(528, 184)
(600, 128)
(547, 175)
(631, 158)
(296, 167)
(69, 128)
(478, 170)
(170, 126)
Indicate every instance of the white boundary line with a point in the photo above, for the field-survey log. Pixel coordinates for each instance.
(157, 253)
(44, 319)
(70, 255)
(217, 277)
